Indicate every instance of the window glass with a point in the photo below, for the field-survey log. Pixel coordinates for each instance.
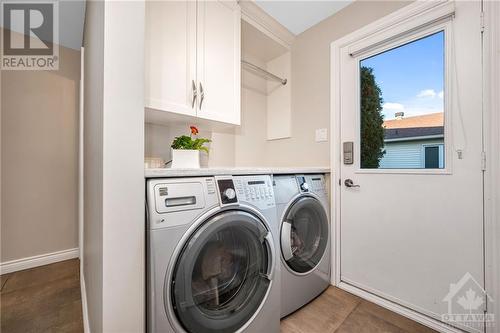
(402, 106)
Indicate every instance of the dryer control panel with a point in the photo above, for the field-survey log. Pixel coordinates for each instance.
(256, 190)
(316, 184)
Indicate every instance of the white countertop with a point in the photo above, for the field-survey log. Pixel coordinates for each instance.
(168, 172)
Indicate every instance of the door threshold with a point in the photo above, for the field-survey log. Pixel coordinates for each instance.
(399, 309)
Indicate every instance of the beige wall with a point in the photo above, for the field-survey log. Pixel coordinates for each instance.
(159, 138)
(310, 99)
(39, 159)
(250, 137)
(311, 83)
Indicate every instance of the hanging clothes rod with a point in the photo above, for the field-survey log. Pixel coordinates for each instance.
(264, 72)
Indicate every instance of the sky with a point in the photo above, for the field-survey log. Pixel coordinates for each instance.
(411, 77)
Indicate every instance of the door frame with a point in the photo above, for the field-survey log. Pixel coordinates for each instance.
(491, 105)
(491, 135)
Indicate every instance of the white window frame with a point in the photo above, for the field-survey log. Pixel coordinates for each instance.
(446, 28)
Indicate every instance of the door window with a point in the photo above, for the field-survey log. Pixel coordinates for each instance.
(221, 276)
(402, 105)
(304, 234)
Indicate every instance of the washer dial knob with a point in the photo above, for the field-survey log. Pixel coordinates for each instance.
(229, 194)
(304, 187)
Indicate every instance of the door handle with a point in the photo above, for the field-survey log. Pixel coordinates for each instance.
(195, 93)
(270, 270)
(286, 240)
(350, 183)
(202, 95)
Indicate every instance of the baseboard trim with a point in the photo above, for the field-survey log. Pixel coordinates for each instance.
(405, 312)
(85, 312)
(35, 261)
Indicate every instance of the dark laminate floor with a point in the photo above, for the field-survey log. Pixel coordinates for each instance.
(338, 311)
(42, 299)
(47, 299)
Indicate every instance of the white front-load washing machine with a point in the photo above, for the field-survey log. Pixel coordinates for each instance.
(303, 210)
(212, 255)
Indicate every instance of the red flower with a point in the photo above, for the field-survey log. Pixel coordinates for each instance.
(194, 130)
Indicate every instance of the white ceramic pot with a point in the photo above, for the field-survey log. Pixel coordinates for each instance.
(185, 158)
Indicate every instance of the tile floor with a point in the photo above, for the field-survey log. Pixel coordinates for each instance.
(338, 311)
(42, 299)
(47, 299)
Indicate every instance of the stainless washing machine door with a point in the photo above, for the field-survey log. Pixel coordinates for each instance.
(222, 274)
(304, 234)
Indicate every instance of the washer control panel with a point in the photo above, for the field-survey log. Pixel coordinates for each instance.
(227, 191)
(256, 190)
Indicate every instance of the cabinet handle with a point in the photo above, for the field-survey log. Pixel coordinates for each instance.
(202, 95)
(195, 93)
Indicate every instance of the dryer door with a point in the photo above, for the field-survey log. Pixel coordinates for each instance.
(304, 234)
(222, 274)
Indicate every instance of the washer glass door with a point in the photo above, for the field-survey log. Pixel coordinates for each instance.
(304, 234)
(222, 274)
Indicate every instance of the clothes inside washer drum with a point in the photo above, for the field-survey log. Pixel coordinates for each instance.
(217, 268)
(217, 261)
(297, 243)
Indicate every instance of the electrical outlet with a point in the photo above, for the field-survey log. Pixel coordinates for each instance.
(321, 135)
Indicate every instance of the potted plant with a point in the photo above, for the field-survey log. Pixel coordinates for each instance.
(186, 150)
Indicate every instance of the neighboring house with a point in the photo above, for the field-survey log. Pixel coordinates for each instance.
(414, 142)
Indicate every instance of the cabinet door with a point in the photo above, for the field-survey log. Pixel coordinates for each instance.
(170, 56)
(218, 61)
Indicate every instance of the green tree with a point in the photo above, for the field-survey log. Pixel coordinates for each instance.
(372, 120)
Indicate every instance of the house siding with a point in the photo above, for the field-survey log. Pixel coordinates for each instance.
(405, 154)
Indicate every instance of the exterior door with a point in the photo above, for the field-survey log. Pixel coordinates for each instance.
(411, 179)
(304, 234)
(223, 274)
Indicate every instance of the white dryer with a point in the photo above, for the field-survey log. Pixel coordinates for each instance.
(303, 209)
(212, 255)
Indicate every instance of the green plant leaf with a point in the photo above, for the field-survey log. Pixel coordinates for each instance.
(181, 142)
(186, 142)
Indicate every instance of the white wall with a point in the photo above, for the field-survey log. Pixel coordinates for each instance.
(93, 161)
(114, 172)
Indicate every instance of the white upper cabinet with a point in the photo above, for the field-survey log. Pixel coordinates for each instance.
(170, 56)
(219, 61)
(193, 59)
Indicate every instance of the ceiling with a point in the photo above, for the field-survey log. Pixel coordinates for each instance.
(298, 16)
(71, 22)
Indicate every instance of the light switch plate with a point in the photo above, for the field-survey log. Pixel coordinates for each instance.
(321, 135)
